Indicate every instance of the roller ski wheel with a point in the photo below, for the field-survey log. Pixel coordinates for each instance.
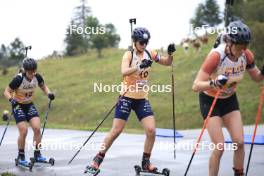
(32, 160)
(52, 161)
(24, 163)
(139, 171)
(91, 170)
(166, 171)
(41, 159)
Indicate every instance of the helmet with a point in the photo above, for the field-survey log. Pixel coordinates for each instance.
(239, 33)
(29, 64)
(140, 34)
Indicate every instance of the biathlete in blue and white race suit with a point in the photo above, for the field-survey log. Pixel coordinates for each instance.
(19, 93)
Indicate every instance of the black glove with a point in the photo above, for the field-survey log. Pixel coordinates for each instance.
(13, 103)
(171, 49)
(219, 81)
(145, 63)
(51, 96)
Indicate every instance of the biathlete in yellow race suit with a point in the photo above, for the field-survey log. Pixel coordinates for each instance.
(135, 69)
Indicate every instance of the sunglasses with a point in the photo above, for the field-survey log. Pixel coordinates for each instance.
(143, 42)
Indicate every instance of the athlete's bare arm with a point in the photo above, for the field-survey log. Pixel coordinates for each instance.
(8, 92)
(125, 68)
(166, 60)
(201, 82)
(45, 89)
(255, 74)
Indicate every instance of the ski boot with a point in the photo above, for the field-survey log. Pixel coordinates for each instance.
(94, 167)
(21, 161)
(38, 158)
(147, 167)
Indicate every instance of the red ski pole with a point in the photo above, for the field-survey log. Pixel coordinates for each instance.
(256, 126)
(204, 127)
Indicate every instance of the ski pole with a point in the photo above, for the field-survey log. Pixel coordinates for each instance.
(132, 21)
(46, 118)
(204, 127)
(8, 121)
(27, 48)
(256, 126)
(107, 115)
(173, 110)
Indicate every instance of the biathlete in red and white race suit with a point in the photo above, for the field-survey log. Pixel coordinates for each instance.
(224, 68)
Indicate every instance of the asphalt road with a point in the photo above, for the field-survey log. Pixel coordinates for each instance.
(124, 154)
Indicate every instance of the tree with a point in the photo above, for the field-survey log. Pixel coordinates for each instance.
(198, 20)
(212, 13)
(233, 10)
(112, 36)
(207, 14)
(251, 13)
(75, 43)
(105, 35)
(16, 51)
(3, 52)
(257, 42)
(78, 43)
(99, 42)
(86, 32)
(82, 12)
(93, 24)
(11, 55)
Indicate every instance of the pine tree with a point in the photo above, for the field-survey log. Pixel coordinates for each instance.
(207, 14)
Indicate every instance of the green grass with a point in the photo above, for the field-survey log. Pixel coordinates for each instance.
(78, 107)
(7, 174)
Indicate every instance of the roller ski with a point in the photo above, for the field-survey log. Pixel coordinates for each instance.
(21, 161)
(93, 169)
(38, 158)
(140, 171)
(148, 168)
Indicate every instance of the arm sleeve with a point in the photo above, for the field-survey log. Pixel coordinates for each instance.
(250, 59)
(15, 83)
(211, 62)
(40, 80)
